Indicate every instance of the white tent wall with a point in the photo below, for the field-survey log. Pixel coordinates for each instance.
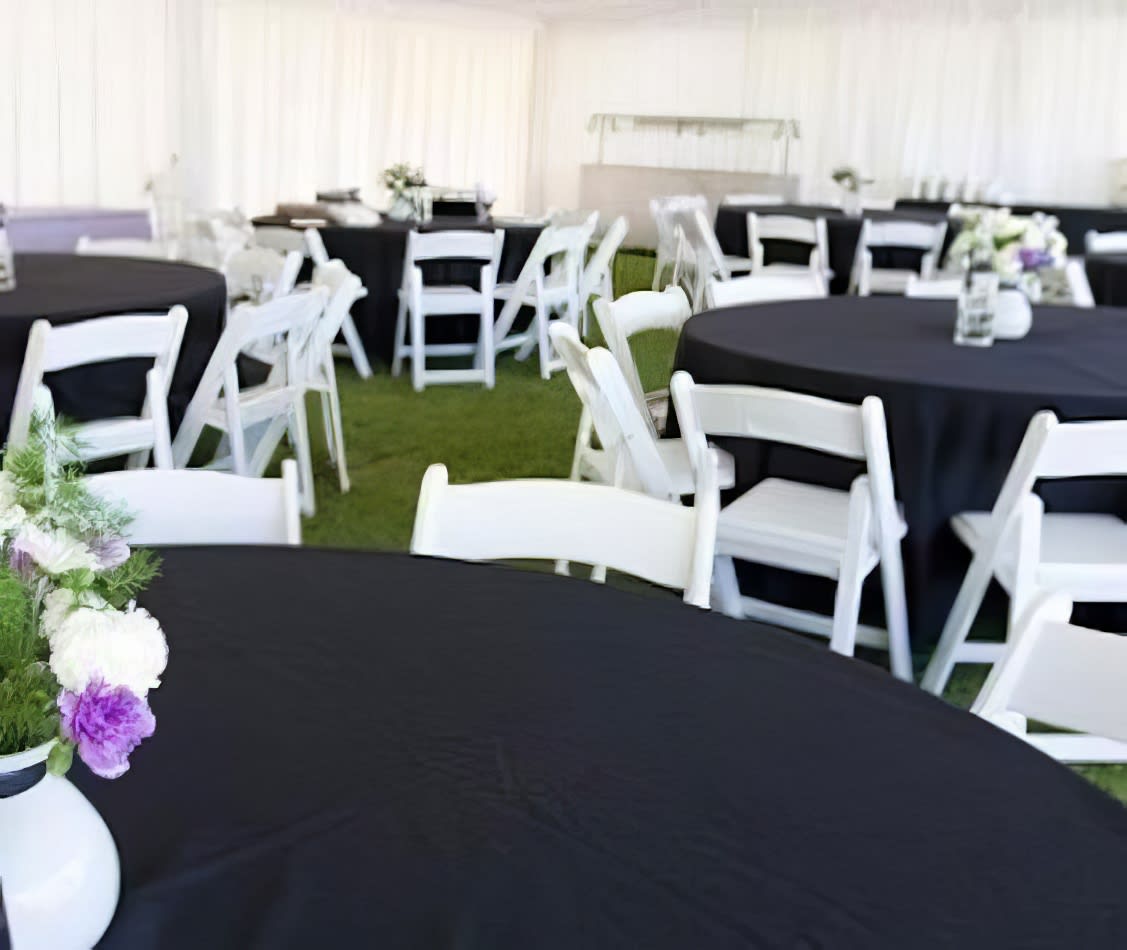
(1026, 92)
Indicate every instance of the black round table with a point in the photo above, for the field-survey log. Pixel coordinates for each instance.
(1107, 275)
(956, 416)
(375, 255)
(362, 750)
(65, 288)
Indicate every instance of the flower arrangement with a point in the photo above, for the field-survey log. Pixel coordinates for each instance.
(1015, 244)
(77, 656)
(849, 179)
(399, 178)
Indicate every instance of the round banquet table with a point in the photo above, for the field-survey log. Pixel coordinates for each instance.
(1107, 275)
(375, 255)
(65, 288)
(535, 761)
(956, 416)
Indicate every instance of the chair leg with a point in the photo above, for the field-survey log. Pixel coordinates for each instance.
(418, 346)
(485, 358)
(544, 345)
(400, 338)
(356, 347)
(299, 432)
(851, 577)
(327, 427)
(338, 435)
(726, 587)
(896, 613)
(958, 623)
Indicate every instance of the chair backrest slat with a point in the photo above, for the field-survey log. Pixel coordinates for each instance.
(1078, 449)
(947, 288)
(1107, 242)
(461, 245)
(765, 288)
(783, 227)
(917, 234)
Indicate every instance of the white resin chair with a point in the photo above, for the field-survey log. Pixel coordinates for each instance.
(810, 232)
(926, 237)
(663, 542)
(765, 288)
(281, 239)
(707, 261)
(1106, 242)
(1080, 556)
(669, 237)
(597, 279)
(612, 411)
(841, 535)
(254, 419)
(944, 288)
(419, 301)
(261, 274)
(549, 292)
(752, 199)
(1063, 676)
(196, 507)
(353, 346)
(1079, 287)
(136, 336)
(125, 247)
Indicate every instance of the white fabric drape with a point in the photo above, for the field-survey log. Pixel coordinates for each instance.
(264, 100)
(1025, 92)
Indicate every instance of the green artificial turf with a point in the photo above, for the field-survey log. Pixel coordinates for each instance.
(525, 427)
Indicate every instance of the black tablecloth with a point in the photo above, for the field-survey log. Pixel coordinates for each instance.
(956, 415)
(497, 759)
(65, 288)
(375, 255)
(842, 234)
(1107, 274)
(1075, 220)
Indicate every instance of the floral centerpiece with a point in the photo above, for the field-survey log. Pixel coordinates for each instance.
(404, 182)
(1015, 245)
(77, 656)
(851, 181)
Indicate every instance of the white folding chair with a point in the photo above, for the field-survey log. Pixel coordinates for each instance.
(669, 238)
(810, 232)
(842, 535)
(282, 239)
(765, 288)
(707, 261)
(261, 274)
(663, 542)
(752, 199)
(1063, 676)
(925, 237)
(1106, 242)
(944, 288)
(353, 346)
(549, 283)
(135, 336)
(315, 246)
(195, 507)
(1080, 556)
(418, 301)
(1079, 287)
(125, 247)
(254, 419)
(613, 411)
(598, 276)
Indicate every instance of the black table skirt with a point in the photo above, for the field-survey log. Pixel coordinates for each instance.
(66, 288)
(1107, 274)
(842, 233)
(1075, 220)
(956, 416)
(375, 255)
(529, 761)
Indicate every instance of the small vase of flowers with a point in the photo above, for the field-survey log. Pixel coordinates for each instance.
(850, 181)
(405, 184)
(78, 658)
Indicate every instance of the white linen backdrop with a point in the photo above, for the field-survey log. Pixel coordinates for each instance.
(263, 100)
(1026, 92)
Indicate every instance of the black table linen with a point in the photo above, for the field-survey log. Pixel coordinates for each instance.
(956, 416)
(1107, 276)
(362, 750)
(66, 288)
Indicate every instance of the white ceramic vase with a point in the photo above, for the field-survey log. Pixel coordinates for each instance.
(59, 870)
(1013, 315)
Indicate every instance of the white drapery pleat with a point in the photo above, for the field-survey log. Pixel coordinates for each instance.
(264, 100)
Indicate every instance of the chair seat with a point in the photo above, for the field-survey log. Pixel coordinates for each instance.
(1085, 554)
(596, 466)
(791, 525)
(256, 404)
(108, 438)
(738, 265)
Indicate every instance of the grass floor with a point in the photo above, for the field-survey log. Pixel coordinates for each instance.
(525, 427)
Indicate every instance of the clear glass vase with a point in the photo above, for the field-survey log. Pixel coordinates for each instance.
(978, 301)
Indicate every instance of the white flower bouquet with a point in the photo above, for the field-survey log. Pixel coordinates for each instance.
(401, 177)
(77, 656)
(1014, 243)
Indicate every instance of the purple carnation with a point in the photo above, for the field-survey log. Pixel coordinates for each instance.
(106, 723)
(1034, 258)
(21, 563)
(110, 551)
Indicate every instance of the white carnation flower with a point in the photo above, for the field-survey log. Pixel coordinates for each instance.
(12, 518)
(55, 551)
(123, 649)
(59, 603)
(8, 491)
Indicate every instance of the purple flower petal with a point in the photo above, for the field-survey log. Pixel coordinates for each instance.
(110, 551)
(106, 723)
